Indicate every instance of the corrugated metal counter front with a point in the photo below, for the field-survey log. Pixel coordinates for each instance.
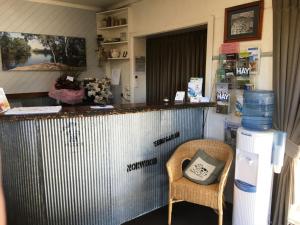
(93, 169)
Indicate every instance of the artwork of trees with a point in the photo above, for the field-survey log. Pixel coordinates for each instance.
(21, 51)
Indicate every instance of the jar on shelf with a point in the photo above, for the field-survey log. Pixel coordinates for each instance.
(109, 21)
(115, 53)
(116, 22)
(104, 22)
(123, 36)
(123, 21)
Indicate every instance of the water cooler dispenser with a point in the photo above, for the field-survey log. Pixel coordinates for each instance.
(259, 152)
(253, 177)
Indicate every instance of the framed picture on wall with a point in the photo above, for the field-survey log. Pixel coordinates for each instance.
(38, 52)
(244, 22)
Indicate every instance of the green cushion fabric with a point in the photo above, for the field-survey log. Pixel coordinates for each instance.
(203, 169)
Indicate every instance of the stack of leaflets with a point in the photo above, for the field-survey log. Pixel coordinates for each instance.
(254, 55)
(223, 98)
(4, 105)
(227, 67)
(242, 71)
(236, 68)
(229, 64)
(195, 89)
(242, 67)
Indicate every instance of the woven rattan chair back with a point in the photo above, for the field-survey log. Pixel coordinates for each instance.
(207, 195)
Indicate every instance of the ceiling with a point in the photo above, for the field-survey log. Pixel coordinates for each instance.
(93, 3)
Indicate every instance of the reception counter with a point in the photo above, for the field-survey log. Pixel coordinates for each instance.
(92, 167)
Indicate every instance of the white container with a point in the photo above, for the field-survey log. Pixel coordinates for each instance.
(253, 178)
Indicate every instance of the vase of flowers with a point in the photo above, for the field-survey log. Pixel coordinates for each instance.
(98, 90)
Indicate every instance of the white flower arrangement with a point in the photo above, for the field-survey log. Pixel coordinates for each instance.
(98, 90)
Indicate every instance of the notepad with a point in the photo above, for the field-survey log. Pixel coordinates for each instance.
(33, 110)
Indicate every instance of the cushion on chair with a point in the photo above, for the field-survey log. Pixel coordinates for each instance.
(203, 169)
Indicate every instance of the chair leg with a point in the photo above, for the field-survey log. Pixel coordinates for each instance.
(170, 212)
(220, 216)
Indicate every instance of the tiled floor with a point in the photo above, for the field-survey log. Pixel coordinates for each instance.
(184, 214)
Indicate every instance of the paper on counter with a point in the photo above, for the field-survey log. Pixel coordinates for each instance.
(33, 110)
(115, 76)
(102, 107)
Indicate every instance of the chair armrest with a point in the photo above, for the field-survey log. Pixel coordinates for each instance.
(224, 174)
(174, 167)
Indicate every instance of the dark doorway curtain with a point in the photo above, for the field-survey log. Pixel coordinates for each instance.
(171, 61)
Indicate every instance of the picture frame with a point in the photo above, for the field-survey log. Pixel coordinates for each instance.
(41, 52)
(244, 22)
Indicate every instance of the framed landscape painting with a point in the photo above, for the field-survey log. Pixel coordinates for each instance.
(37, 52)
(244, 22)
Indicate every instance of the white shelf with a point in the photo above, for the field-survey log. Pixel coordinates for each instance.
(113, 27)
(114, 11)
(115, 43)
(119, 58)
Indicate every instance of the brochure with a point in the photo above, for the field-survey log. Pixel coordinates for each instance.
(254, 56)
(179, 96)
(230, 133)
(229, 64)
(4, 105)
(239, 100)
(242, 67)
(195, 89)
(223, 98)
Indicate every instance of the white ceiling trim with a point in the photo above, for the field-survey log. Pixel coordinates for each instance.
(124, 3)
(67, 4)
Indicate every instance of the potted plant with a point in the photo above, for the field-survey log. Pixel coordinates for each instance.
(67, 88)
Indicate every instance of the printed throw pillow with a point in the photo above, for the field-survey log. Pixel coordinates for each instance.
(203, 169)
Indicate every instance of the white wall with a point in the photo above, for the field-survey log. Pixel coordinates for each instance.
(139, 81)
(158, 16)
(37, 18)
(297, 182)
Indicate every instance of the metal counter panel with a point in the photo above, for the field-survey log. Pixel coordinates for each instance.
(74, 171)
(21, 170)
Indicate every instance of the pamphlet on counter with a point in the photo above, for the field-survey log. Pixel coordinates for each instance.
(4, 104)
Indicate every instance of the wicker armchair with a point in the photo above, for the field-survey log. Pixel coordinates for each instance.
(181, 189)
